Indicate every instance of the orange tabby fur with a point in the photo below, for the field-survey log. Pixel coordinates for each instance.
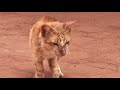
(49, 40)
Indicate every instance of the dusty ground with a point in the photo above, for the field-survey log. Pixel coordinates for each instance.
(94, 50)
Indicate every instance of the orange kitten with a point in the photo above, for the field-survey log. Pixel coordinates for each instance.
(49, 40)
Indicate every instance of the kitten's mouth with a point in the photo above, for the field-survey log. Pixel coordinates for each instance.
(62, 52)
(61, 49)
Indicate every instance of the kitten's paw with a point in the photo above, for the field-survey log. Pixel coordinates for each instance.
(58, 75)
(39, 75)
(61, 75)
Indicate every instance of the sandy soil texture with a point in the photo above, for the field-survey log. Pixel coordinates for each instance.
(94, 50)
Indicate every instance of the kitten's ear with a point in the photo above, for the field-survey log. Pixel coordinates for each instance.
(70, 23)
(45, 30)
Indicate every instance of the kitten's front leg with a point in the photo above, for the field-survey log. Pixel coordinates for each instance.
(55, 68)
(39, 71)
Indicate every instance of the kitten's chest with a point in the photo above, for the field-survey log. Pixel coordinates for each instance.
(49, 52)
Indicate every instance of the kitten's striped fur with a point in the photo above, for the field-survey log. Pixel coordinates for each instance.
(49, 40)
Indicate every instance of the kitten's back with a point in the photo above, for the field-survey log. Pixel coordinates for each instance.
(47, 19)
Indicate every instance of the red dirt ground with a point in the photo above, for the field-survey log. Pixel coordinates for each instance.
(94, 50)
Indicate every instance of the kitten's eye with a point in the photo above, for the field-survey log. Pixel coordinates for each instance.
(55, 44)
(68, 42)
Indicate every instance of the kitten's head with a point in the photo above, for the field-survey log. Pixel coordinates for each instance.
(57, 34)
